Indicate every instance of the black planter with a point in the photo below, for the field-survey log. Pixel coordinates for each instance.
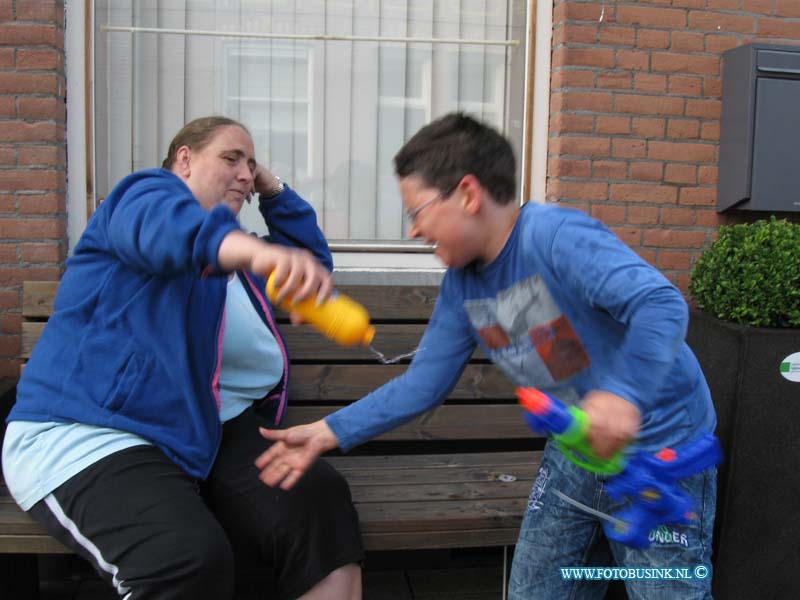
(757, 532)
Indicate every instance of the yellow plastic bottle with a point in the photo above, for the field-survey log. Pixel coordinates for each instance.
(340, 318)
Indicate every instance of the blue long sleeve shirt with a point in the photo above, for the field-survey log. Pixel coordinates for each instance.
(565, 307)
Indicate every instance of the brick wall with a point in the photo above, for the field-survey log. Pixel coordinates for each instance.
(634, 126)
(32, 157)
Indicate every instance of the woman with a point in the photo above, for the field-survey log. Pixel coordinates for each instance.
(134, 434)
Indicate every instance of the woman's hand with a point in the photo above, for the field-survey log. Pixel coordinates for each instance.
(294, 451)
(297, 272)
(264, 182)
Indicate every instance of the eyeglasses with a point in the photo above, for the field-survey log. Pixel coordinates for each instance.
(411, 215)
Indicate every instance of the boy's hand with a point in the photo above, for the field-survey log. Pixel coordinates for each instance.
(613, 421)
(294, 451)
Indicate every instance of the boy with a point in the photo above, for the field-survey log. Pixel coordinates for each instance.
(558, 303)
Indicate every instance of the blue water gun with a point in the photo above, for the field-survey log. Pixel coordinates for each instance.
(649, 480)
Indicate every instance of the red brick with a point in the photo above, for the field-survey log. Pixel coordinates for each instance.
(681, 174)
(710, 131)
(685, 85)
(664, 18)
(581, 146)
(42, 204)
(699, 196)
(45, 228)
(40, 60)
(580, 11)
(36, 10)
(6, 10)
(574, 190)
(10, 323)
(721, 22)
(647, 171)
(612, 125)
(709, 217)
(8, 155)
(787, 8)
(717, 44)
(42, 156)
(627, 148)
(568, 123)
(644, 104)
(30, 83)
(647, 255)
(780, 28)
(648, 82)
(712, 87)
(51, 108)
(618, 80)
(649, 127)
(7, 203)
(609, 169)
(14, 276)
(582, 206)
(9, 299)
(683, 128)
(652, 39)
(10, 367)
(704, 109)
(6, 59)
(634, 60)
(707, 175)
(676, 62)
(765, 6)
(689, 3)
(9, 344)
(642, 192)
(564, 167)
(576, 34)
(687, 41)
(674, 260)
(8, 108)
(42, 253)
(8, 253)
(23, 179)
(682, 152)
(642, 215)
(610, 214)
(588, 101)
(42, 131)
(677, 216)
(674, 238)
(586, 57)
(613, 35)
(19, 34)
(572, 78)
(723, 4)
(631, 236)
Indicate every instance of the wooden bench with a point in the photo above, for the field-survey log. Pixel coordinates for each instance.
(456, 477)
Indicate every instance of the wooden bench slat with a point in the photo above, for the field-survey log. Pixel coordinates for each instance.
(443, 423)
(419, 477)
(37, 298)
(433, 539)
(337, 383)
(431, 461)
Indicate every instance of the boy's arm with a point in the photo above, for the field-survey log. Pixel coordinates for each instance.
(443, 353)
(601, 270)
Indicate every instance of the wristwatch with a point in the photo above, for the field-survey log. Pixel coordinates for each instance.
(277, 189)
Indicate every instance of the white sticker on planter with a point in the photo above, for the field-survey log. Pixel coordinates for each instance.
(790, 367)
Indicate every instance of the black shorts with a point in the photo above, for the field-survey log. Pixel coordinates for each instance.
(153, 532)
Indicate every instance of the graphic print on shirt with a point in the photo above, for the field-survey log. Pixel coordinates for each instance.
(527, 335)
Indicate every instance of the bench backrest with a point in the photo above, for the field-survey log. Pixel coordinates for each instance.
(481, 413)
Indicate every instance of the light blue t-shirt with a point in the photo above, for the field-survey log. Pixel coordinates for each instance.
(252, 364)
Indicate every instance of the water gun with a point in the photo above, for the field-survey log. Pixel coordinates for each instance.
(650, 481)
(339, 318)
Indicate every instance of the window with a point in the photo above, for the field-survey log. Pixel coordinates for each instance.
(327, 115)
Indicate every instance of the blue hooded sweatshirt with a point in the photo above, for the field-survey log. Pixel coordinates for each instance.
(134, 341)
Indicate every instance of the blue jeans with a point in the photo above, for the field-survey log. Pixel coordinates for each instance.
(556, 534)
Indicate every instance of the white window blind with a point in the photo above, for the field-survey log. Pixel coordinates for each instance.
(327, 115)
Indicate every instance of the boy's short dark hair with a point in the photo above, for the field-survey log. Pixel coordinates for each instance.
(454, 145)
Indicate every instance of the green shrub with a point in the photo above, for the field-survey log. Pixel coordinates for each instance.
(751, 274)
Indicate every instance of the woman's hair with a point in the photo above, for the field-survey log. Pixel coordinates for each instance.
(454, 145)
(197, 135)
